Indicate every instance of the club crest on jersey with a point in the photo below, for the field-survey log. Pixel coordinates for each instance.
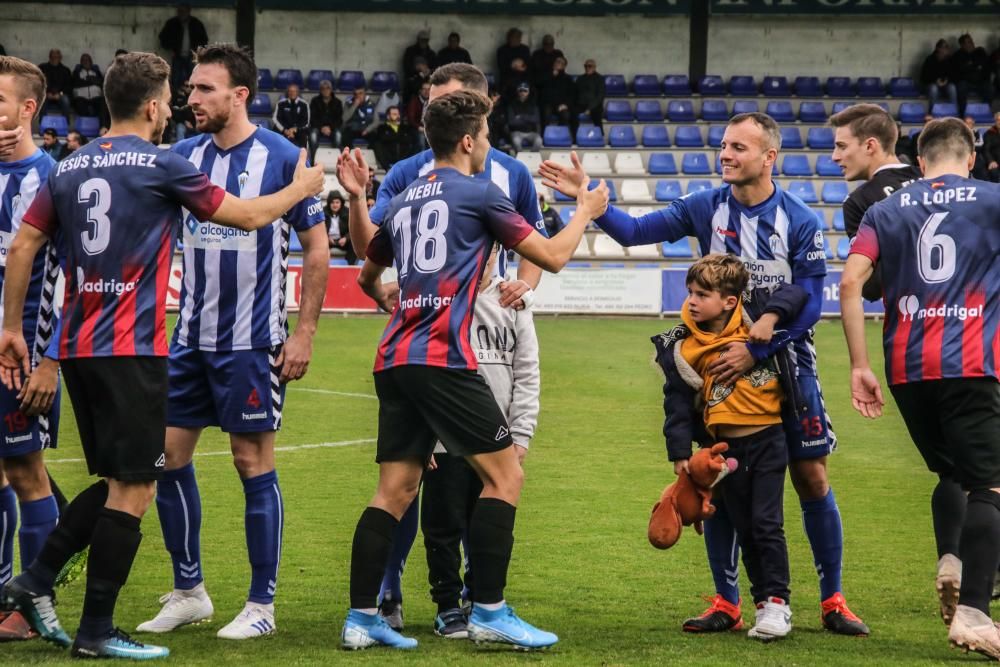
(818, 240)
(242, 179)
(15, 201)
(774, 241)
(253, 400)
(191, 223)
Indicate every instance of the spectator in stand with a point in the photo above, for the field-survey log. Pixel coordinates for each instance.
(419, 78)
(971, 72)
(991, 149)
(904, 146)
(182, 35)
(337, 229)
(590, 92)
(517, 76)
(914, 139)
(550, 217)
(291, 116)
(58, 84)
(371, 190)
(543, 60)
(181, 115)
(523, 119)
(74, 140)
(387, 99)
(415, 113)
(421, 49)
(558, 96)
(453, 53)
(936, 75)
(500, 137)
(979, 169)
(326, 115)
(995, 65)
(51, 145)
(88, 94)
(507, 53)
(394, 140)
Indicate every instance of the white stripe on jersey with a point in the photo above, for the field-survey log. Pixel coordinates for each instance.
(748, 237)
(500, 176)
(780, 248)
(187, 308)
(720, 223)
(276, 314)
(25, 195)
(426, 169)
(246, 262)
(208, 323)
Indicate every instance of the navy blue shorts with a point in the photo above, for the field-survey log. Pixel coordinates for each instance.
(21, 434)
(237, 391)
(809, 435)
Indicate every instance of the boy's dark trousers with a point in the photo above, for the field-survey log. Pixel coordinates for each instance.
(753, 495)
(449, 495)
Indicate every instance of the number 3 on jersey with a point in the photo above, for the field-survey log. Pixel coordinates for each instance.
(430, 248)
(97, 193)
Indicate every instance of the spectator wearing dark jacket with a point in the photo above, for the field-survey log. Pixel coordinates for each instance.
(550, 217)
(935, 75)
(291, 116)
(497, 121)
(360, 119)
(181, 115)
(88, 96)
(415, 113)
(523, 119)
(326, 115)
(543, 60)
(991, 149)
(182, 35)
(58, 84)
(453, 53)
(419, 78)
(558, 96)
(394, 140)
(590, 93)
(51, 145)
(337, 230)
(421, 49)
(971, 72)
(511, 49)
(517, 76)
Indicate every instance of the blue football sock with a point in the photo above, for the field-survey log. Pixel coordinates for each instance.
(402, 542)
(723, 554)
(821, 519)
(265, 514)
(179, 505)
(38, 518)
(8, 526)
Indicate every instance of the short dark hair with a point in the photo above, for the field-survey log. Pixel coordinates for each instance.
(868, 121)
(49, 132)
(719, 272)
(470, 76)
(132, 80)
(945, 138)
(238, 61)
(764, 122)
(450, 117)
(388, 109)
(28, 77)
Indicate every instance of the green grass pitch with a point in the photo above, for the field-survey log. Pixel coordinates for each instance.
(582, 566)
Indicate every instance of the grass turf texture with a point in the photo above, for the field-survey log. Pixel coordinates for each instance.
(582, 566)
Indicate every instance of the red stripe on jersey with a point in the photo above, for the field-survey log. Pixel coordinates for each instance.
(466, 346)
(437, 338)
(162, 280)
(402, 354)
(124, 318)
(933, 335)
(92, 306)
(69, 307)
(900, 341)
(973, 362)
(383, 346)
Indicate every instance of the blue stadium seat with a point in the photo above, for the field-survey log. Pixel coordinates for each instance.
(662, 164)
(980, 112)
(561, 197)
(294, 244)
(780, 111)
(775, 86)
(808, 86)
(55, 122)
(838, 220)
(912, 112)
(688, 136)
(668, 190)
(839, 86)
(676, 84)
(350, 79)
(870, 86)
(383, 81)
(695, 163)
(902, 86)
(820, 138)
(745, 106)
(742, 85)
(699, 184)
(646, 84)
(316, 76)
(804, 190)
(566, 214)
(843, 247)
(655, 136)
(261, 105)
(796, 165)
(614, 85)
(680, 249)
(711, 85)
(262, 122)
(612, 195)
(589, 136)
(840, 106)
(827, 248)
(715, 134)
(812, 112)
(821, 219)
(618, 110)
(791, 138)
(622, 136)
(557, 136)
(835, 192)
(265, 81)
(648, 111)
(680, 111)
(944, 109)
(88, 126)
(286, 77)
(714, 110)
(825, 166)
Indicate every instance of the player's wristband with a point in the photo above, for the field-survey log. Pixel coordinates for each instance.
(528, 299)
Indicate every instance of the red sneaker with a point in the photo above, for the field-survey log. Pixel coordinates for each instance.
(14, 627)
(721, 616)
(837, 618)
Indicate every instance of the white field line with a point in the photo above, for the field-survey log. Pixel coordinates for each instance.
(289, 448)
(333, 393)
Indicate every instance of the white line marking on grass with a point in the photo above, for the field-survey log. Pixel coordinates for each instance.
(289, 448)
(332, 393)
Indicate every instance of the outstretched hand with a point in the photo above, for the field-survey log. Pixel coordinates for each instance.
(352, 172)
(866, 393)
(15, 363)
(594, 202)
(567, 180)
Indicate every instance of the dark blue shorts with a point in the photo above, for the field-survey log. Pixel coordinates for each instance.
(237, 391)
(810, 435)
(20, 434)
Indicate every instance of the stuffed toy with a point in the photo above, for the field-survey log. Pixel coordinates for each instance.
(688, 501)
